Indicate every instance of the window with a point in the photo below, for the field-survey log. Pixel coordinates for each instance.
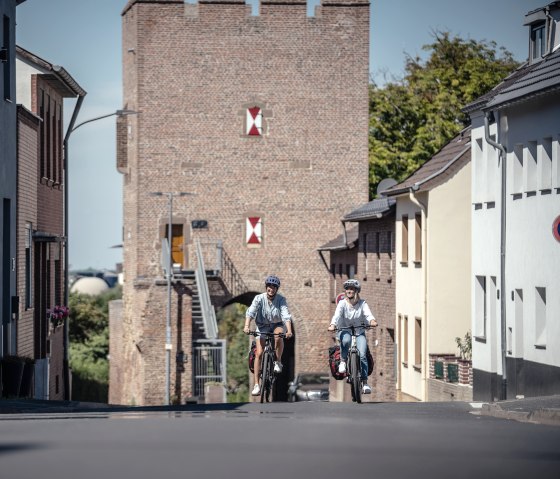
(515, 340)
(492, 168)
(5, 61)
(531, 167)
(545, 164)
(480, 306)
(378, 252)
(540, 316)
(479, 172)
(405, 340)
(418, 238)
(556, 162)
(404, 239)
(28, 278)
(538, 41)
(364, 250)
(418, 343)
(517, 170)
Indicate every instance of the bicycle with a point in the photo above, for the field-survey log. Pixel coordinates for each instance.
(267, 374)
(353, 368)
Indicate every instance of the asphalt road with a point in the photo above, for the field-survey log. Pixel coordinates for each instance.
(299, 440)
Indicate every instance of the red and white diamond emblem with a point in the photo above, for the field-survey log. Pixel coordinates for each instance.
(254, 231)
(254, 121)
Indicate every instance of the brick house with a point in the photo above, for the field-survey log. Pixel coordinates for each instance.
(249, 113)
(367, 254)
(41, 89)
(8, 176)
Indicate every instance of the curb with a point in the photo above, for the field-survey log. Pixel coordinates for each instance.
(545, 416)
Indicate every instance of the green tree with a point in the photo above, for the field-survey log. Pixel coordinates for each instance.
(230, 326)
(411, 119)
(89, 345)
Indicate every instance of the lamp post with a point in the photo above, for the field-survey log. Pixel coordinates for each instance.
(71, 128)
(169, 276)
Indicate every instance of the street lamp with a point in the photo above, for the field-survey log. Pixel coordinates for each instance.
(169, 275)
(69, 131)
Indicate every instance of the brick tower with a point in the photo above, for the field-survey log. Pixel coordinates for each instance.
(264, 120)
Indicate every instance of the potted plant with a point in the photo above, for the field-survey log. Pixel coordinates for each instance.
(57, 315)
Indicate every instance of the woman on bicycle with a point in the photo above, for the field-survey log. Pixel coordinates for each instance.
(353, 311)
(271, 315)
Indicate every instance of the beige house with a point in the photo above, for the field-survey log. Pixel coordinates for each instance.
(433, 264)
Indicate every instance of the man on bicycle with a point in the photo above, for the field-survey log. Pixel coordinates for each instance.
(353, 311)
(271, 315)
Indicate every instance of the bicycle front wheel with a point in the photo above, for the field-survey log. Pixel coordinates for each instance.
(266, 377)
(356, 381)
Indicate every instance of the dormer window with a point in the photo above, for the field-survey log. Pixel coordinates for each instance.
(538, 41)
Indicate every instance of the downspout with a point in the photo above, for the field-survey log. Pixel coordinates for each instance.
(66, 339)
(425, 362)
(502, 160)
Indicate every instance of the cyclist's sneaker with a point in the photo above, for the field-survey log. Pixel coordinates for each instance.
(256, 390)
(277, 367)
(366, 389)
(342, 367)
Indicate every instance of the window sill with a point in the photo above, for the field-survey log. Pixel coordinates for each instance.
(546, 191)
(480, 339)
(417, 368)
(404, 264)
(405, 365)
(540, 346)
(418, 264)
(531, 193)
(517, 196)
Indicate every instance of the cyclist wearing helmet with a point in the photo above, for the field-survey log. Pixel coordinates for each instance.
(271, 315)
(353, 311)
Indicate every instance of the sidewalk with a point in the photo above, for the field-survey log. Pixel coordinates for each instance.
(538, 410)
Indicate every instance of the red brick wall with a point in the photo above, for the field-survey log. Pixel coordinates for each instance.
(27, 149)
(192, 70)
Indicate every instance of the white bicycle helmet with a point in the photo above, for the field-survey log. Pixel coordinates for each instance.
(352, 283)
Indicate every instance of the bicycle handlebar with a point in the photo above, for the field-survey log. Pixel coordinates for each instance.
(350, 328)
(257, 333)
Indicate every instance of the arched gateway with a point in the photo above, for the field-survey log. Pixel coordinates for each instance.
(263, 120)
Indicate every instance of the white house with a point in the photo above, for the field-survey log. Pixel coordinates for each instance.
(515, 223)
(433, 248)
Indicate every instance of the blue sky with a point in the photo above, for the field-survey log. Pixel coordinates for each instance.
(84, 36)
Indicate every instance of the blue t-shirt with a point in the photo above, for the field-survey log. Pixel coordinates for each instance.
(266, 312)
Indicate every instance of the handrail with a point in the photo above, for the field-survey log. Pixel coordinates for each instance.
(165, 257)
(231, 277)
(208, 313)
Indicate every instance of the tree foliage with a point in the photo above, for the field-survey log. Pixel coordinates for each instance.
(411, 119)
(231, 321)
(89, 344)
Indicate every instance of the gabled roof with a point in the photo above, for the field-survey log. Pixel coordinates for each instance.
(438, 169)
(338, 243)
(541, 78)
(373, 210)
(56, 76)
(528, 81)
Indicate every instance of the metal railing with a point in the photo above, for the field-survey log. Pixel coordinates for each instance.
(208, 313)
(231, 277)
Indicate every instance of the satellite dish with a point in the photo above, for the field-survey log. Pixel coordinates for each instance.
(385, 185)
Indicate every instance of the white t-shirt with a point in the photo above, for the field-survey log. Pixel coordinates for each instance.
(347, 315)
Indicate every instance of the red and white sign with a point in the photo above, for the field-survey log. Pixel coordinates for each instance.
(254, 231)
(556, 228)
(254, 121)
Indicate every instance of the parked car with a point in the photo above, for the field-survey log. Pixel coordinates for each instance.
(309, 387)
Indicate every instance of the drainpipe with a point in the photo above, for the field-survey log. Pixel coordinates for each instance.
(502, 160)
(425, 363)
